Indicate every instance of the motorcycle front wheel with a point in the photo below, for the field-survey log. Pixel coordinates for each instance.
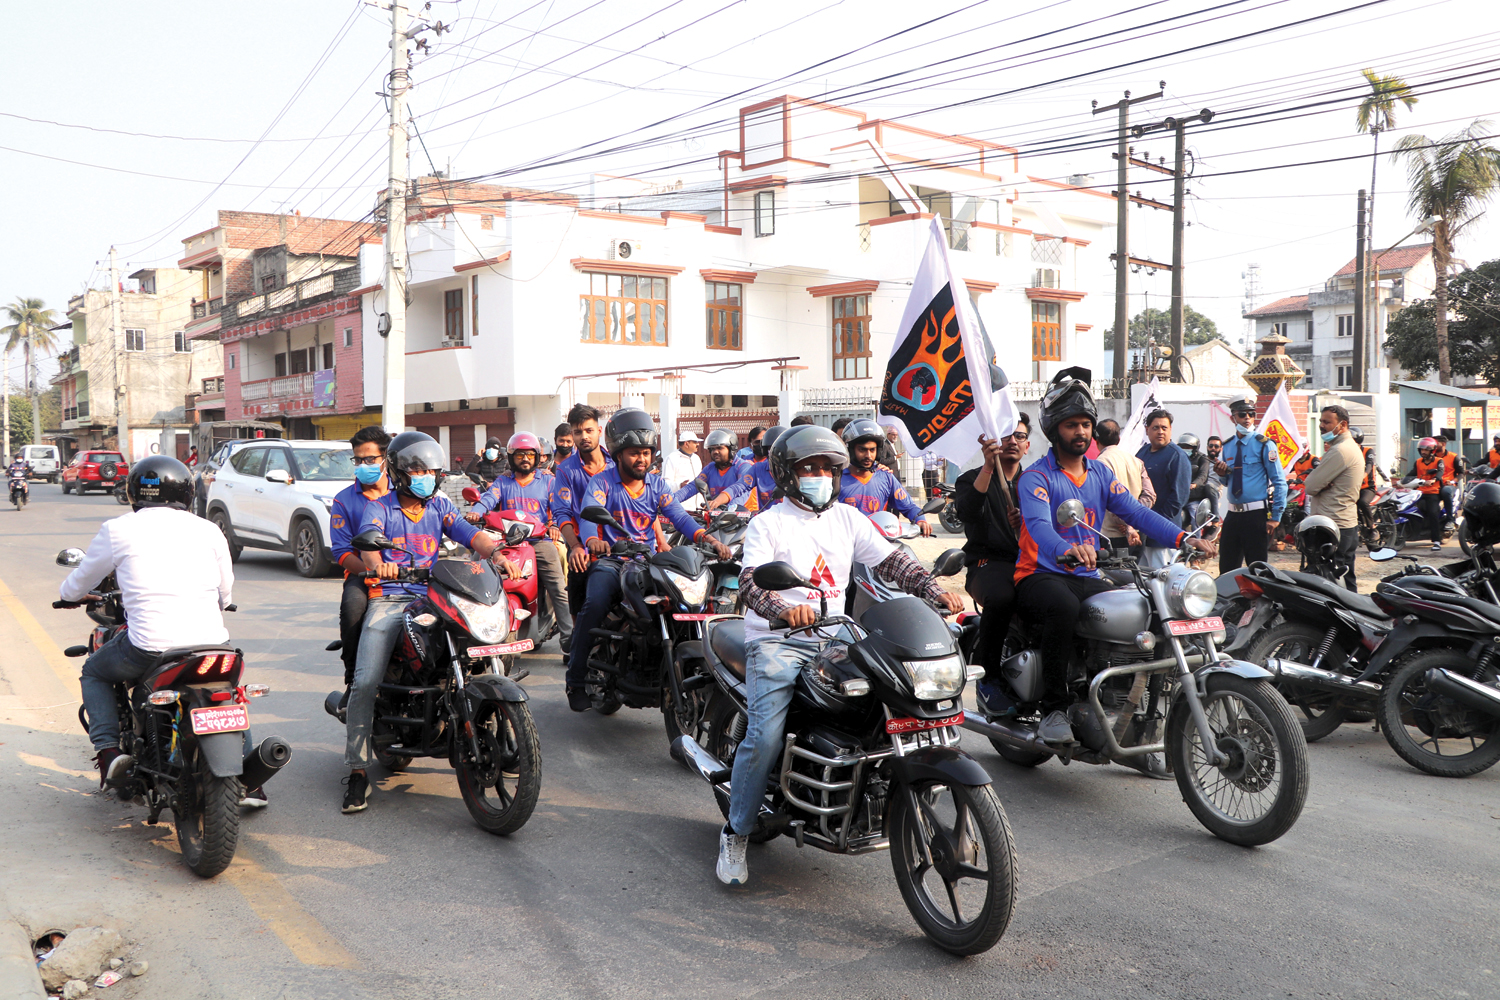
(689, 718)
(206, 813)
(1431, 732)
(500, 787)
(955, 863)
(1259, 792)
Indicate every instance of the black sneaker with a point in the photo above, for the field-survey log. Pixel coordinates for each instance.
(356, 798)
(566, 642)
(113, 764)
(254, 798)
(579, 700)
(344, 701)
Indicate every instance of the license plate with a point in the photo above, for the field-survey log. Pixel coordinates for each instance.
(1197, 626)
(917, 725)
(220, 719)
(693, 617)
(500, 650)
(1245, 618)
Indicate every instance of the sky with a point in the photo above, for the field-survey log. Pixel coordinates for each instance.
(276, 106)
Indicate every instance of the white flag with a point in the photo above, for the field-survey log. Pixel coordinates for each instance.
(1133, 434)
(932, 394)
(1279, 426)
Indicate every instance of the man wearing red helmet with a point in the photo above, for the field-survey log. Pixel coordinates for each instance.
(1429, 469)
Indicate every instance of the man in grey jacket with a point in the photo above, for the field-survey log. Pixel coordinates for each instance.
(1333, 487)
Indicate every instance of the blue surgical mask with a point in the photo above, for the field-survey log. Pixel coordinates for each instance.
(816, 490)
(423, 486)
(1242, 430)
(1328, 436)
(492, 453)
(368, 475)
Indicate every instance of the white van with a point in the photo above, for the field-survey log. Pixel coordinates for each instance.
(45, 461)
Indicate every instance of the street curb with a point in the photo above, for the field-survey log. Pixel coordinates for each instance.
(19, 979)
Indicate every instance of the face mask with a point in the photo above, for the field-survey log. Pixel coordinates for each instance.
(816, 490)
(368, 475)
(491, 453)
(1242, 430)
(1328, 436)
(423, 486)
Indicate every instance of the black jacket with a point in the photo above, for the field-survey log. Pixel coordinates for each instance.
(986, 519)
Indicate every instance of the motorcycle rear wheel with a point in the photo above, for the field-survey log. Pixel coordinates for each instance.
(1319, 712)
(964, 896)
(949, 518)
(1407, 710)
(501, 789)
(208, 826)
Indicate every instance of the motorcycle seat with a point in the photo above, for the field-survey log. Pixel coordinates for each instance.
(727, 639)
(1354, 602)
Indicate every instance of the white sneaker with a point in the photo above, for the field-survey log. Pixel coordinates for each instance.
(1436, 547)
(732, 869)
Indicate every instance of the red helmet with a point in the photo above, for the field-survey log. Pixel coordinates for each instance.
(1427, 443)
(521, 440)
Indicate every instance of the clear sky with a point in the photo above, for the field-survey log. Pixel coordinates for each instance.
(274, 106)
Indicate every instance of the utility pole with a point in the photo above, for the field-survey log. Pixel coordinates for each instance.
(1251, 277)
(5, 392)
(1122, 226)
(1357, 375)
(394, 322)
(122, 398)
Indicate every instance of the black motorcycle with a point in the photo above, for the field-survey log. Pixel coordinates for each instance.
(948, 512)
(20, 491)
(445, 693)
(871, 761)
(121, 497)
(183, 727)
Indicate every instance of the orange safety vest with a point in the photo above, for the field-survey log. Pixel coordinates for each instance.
(1433, 470)
(1369, 483)
(1448, 464)
(1304, 465)
(1494, 458)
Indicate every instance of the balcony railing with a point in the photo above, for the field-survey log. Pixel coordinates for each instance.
(202, 310)
(324, 284)
(212, 385)
(278, 388)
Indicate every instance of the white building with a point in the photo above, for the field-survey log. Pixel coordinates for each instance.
(776, 291)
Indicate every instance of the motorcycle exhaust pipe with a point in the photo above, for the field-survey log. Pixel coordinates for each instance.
(687, 752)
(331, 705)
(1020, 739)
(262, 763)
(1461, 689)
(1323, 680)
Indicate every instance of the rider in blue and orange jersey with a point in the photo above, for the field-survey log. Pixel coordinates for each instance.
(725, 478)
(871, 490)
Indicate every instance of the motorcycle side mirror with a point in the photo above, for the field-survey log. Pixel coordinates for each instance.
(1382, 555)
(1070, 513)
(373, 540)
(934, 505)
(1203, 512)
(949, 563)
(702, 487)
(777, 576)
(595, 514)
(70, 557)
(470, 494)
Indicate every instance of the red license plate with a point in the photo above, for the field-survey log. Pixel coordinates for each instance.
(220, 719)
(1196, 627)
(917, 725)
(693, 617)
(500, 650)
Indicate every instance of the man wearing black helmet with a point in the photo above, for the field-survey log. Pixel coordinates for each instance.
(1056, 570)
(725, 478)
(870, 489)
(821, 539)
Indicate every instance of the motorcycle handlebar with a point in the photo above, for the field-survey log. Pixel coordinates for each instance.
(404, 576)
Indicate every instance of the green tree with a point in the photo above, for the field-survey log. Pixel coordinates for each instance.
(31, 324)
(1450, 181)
(1156, 324)
(1473, 329)
(50, 404)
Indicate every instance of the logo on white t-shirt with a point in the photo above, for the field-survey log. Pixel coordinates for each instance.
(822, 576)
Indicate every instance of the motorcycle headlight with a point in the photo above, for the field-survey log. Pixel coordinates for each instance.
(488, 622)
(934, 680)
(693, 590)
(1190, 592)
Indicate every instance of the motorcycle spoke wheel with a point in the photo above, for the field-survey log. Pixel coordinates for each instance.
(1258, 794)
(500, 786)
(955, 863)
(1430, 732)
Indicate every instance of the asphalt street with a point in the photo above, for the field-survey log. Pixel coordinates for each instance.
(1385, 888)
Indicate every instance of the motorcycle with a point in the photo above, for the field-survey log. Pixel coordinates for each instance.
(1378, 531)
(871, 760)
(184, 728)
(446, 693)
(867, 589)
(948, 512)
(20, 491)
(729, 527)
(121, 497)
(1229, 737)
(1295, 511)
(649, 650)
(1411, 523)
(532, 617)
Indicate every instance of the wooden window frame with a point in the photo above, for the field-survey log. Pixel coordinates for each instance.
(724, 319)
(612, 308)
(1046, 331)
(849, 325)
(453, 315)
(474, 305)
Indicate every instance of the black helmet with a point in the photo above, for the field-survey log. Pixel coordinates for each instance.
(720, 439)
(160, 481)
(1357, 434)
(1188, 442)
(762, 447)
(1482, 514)
(631, 427)
(858, 430)
(411, 450)
(798, 445)
(1068, 395)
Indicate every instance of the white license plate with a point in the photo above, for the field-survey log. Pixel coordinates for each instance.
(693, 617)
(502, 649)
(1197, 626)
(220, 719)
(916, 725)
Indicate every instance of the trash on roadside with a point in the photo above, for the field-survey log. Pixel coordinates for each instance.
(109, 979)
(45, 944)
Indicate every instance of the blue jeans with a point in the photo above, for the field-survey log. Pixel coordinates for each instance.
(377, 641)
(1447, 494)
(771, 668)
(601, 589)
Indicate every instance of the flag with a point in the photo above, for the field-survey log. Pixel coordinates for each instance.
(928, 393)
(1133, 435)
(1279, 426)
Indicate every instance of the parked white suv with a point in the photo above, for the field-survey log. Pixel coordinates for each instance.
(276, 495)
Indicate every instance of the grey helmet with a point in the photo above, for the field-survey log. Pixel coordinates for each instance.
(798, 445)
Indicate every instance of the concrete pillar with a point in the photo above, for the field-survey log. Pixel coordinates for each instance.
(789, 399)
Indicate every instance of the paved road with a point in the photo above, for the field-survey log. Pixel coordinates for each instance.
(1386, 888)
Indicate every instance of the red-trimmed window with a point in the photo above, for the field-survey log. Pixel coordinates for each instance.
(724, 311)
(453, 316)
(851, 337)
(1046, 331)
(626, 309)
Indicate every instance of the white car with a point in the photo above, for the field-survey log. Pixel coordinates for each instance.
(45, 461)
(276, 495)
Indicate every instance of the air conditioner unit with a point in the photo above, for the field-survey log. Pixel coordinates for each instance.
(718, 402)
(624, 249)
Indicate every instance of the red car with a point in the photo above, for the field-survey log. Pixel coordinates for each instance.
(94, 470)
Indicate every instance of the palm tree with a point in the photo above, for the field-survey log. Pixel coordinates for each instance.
(31, 322)
(1377, 114)
(1450, 180)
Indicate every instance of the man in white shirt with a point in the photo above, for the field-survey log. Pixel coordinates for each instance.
(175, 578)
(821, 539)
(683, 465)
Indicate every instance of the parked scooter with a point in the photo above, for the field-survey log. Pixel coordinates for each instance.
(1411, 523)
(872, 762)
(948, 512)
(185, 728)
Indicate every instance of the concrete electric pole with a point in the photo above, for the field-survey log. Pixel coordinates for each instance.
(1361, 331)
(1122, 226)
(122, 399)
(393, 323)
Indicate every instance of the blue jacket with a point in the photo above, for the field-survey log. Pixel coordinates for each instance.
(1260, 469)
(1171, 476)
(567, 489)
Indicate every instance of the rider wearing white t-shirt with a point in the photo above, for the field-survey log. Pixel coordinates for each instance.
(821, 539)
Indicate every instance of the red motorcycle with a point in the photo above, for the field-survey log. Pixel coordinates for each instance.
(519, 533)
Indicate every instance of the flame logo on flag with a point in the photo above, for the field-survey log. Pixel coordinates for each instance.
(927, 380)
(938, 349)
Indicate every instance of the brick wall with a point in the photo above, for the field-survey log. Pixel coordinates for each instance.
(335, 237)
(348, 363)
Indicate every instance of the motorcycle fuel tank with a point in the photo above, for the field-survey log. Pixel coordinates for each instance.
(1114, 616)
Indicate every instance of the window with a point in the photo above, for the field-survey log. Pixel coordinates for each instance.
(327, 356)
(1046, 331)
(230, 360)
(765, 213)
(624, 309)
(250, 461)
(1044, 277)
(278, 460)
(148, 283)
(474, 305)
(1048, 251)
(135, 340)
(1278, 329)
(486, 222)
(453, 316)
(724, 312)
(280, 365)
(1344, 376)
(851, 336)
(268, 283)
(1309, 329)
(1346, 325)
(181, 344)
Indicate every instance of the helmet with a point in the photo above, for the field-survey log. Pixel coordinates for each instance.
(1482, 514)
(1427, 443)
(1067, 396)
(798, 445)
(521, 440)
(1316, 531)
(411, 450)
(1188, 442)
(1357, 434)
(720, 439)
(768, 439)
(631, 427)
(160, 481)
